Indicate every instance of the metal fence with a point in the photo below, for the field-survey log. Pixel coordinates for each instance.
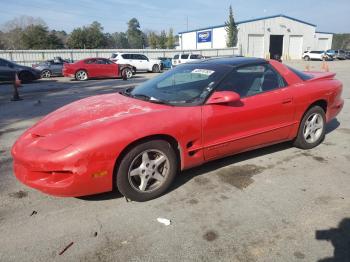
(29, 57)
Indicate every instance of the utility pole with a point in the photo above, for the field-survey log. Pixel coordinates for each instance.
(187, 23)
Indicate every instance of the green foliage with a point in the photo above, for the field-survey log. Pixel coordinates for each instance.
(134, 34)
(231, 29)
(121, 40)
(341, 41)
(170, 40)
(27, 32)
(38, 37)
(153, 40)
(162, 40)
(87, 37)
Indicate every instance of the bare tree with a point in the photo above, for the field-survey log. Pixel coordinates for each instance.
(22, 22)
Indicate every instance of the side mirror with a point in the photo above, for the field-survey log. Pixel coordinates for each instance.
(223, 97)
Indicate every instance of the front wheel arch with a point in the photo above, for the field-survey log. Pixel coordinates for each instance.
(171, 140)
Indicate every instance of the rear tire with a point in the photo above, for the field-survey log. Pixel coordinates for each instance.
(147, 170)
(307, 58)
(312, 129)
(81, 75)
(128, 73)
(155, 69)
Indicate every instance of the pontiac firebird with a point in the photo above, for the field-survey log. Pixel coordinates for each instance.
(137, 140)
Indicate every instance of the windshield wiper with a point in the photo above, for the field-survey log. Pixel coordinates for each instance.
(143, 97)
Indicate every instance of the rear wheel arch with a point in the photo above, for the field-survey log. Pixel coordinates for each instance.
(170, 139)
(321, 103)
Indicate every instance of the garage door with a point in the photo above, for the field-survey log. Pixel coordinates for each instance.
(322, 44)
(295, 47)
(256, 45)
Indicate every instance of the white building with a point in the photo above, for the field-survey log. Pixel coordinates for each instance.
(262, 37)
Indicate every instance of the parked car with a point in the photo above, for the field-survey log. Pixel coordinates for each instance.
(25, 73)
(138, 139)
(185, 58)
(7, 74)
(139, 62)
(347, 54)
(336, 54)
(316, 55)
(165, 62)
(96, 68)
(51, 67)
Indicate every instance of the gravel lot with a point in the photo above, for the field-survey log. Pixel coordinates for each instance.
(273, 204)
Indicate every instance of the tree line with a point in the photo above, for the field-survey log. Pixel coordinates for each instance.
(26, 32)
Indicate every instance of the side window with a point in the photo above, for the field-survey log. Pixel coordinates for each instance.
(196, 57)
(90, 61)
(184, 56)
(252, 80)
(126, 56)
(102, 61)
(143, 57)
(176, 56)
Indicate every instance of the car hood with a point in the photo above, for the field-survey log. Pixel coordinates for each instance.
(92, 111)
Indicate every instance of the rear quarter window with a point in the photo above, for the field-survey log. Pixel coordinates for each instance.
(300, 74)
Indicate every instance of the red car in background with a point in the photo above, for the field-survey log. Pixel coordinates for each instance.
(137, 140)
(96, 68)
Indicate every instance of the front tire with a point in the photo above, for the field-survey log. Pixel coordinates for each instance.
(26, 77)
(81, 75)
(155, 69)
(147, 170)
(312, 129)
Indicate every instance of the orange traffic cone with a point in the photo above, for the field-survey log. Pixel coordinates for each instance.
(326, 67)
(17, 81)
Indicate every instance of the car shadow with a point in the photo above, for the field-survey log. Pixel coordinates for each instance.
(332, 125)
(189, 174)
(339, 238)
(103, 196)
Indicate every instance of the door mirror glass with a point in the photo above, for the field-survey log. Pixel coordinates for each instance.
(223, 97)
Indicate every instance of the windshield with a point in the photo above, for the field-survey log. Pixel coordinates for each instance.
(186, 84)
(114, 55)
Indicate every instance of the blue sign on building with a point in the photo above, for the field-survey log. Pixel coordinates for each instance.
(204, 37)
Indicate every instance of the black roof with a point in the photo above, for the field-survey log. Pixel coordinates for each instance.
(233, 61)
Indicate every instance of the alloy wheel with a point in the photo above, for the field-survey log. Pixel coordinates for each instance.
(148, 170)
(313, 128)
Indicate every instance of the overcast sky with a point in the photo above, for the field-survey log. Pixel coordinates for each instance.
(329, 16)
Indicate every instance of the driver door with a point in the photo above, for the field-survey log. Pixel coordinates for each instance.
(263, 116)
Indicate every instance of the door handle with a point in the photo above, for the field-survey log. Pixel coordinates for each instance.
(287, 101)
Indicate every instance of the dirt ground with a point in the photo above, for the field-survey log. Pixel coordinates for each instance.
(273, 204)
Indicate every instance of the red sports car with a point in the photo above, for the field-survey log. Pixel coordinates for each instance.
(138, 139)
(96, 68)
